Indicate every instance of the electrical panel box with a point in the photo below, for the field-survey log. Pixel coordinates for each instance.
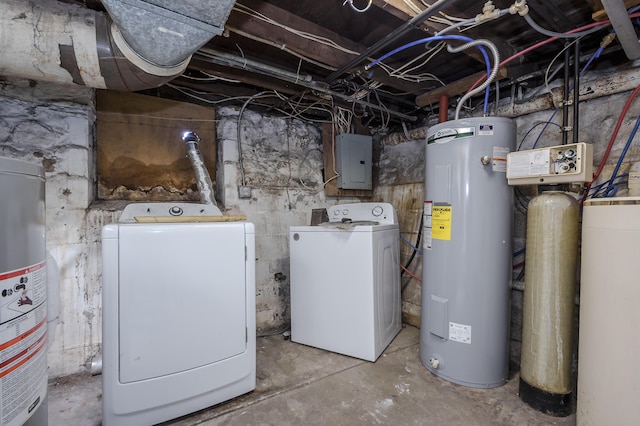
(353, 161)
(572, 163)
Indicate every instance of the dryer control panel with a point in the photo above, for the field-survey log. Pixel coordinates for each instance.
(383, 213)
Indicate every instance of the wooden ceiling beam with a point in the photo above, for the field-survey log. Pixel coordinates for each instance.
(276, 36)
(281, 37)
(400, 9)
(455, 88)
(601, 14)
(257, 80)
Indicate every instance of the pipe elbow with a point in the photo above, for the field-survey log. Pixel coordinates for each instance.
(191, 140)
(122, 68)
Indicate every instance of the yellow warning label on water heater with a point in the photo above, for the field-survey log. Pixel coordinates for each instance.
(441, 223)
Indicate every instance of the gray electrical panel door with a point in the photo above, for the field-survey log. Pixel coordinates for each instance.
(353, 161)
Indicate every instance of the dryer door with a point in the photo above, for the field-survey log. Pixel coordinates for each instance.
(181, 297)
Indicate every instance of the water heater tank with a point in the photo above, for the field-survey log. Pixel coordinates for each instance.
(23, 295)
(464, 334)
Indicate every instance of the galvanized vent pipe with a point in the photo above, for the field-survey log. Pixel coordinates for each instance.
(203, 180)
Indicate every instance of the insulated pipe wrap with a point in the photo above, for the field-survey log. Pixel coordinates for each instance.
(68, 44)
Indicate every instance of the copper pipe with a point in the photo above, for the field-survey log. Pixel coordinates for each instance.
(443, 109)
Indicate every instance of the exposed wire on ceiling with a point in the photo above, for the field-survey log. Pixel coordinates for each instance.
(282, 47)
(396, 73)
(491, 71)
(359, 10)
(240, 8)
(549, 40)
(209, 77)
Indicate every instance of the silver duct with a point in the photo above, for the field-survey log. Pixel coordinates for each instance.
(167, 32)
(203, 180)
(65, 43)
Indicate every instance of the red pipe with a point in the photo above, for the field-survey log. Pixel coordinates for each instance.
(443, 109)
(549, 40)
(611, 142)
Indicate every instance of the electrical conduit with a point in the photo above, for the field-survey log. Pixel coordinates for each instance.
(470, 42)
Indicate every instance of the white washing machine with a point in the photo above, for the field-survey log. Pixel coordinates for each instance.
(345, 280)
(178, 313)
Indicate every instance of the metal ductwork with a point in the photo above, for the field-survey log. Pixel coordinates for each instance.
(139, 45)
(167, 32)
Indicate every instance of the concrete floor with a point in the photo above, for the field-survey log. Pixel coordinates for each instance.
(297, 384)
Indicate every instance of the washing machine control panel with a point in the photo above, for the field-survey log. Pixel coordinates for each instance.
(383, 213)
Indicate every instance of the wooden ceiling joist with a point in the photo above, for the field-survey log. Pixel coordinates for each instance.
(275, 36)
(455, 88)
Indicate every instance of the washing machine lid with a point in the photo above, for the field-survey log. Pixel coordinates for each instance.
(330, 227)
(134, 212)
(380, 213)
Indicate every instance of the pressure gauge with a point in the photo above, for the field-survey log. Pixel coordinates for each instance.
(377, 211)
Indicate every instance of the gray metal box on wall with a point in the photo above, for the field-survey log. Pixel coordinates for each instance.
(353, 161)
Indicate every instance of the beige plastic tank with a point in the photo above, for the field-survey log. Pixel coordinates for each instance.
(548, 302)
(609, 344)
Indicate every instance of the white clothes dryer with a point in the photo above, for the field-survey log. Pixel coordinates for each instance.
(345, 280)
(178, 314)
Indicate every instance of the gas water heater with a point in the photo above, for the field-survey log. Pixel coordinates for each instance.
(466, 278)
(23, 295)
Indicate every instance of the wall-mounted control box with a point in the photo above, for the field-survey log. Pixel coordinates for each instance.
(572, 163)
(353, 161)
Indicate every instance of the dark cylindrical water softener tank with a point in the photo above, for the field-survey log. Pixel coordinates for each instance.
(23, 294)
(548, 304)
(464, 336)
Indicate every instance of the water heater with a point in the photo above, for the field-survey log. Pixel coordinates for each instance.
(23, 295)
(464, 336)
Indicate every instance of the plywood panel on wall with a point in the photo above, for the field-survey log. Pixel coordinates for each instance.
(141, 155)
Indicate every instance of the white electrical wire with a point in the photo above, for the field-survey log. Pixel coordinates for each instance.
(205, 100)
(240, 8)
(413, 7)
(264, 94)
(282, 47)
(324, 41)
(449, 17)
(470, 23)
(364, 9)
(210, 77)
(546, 74)
(425, 76)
